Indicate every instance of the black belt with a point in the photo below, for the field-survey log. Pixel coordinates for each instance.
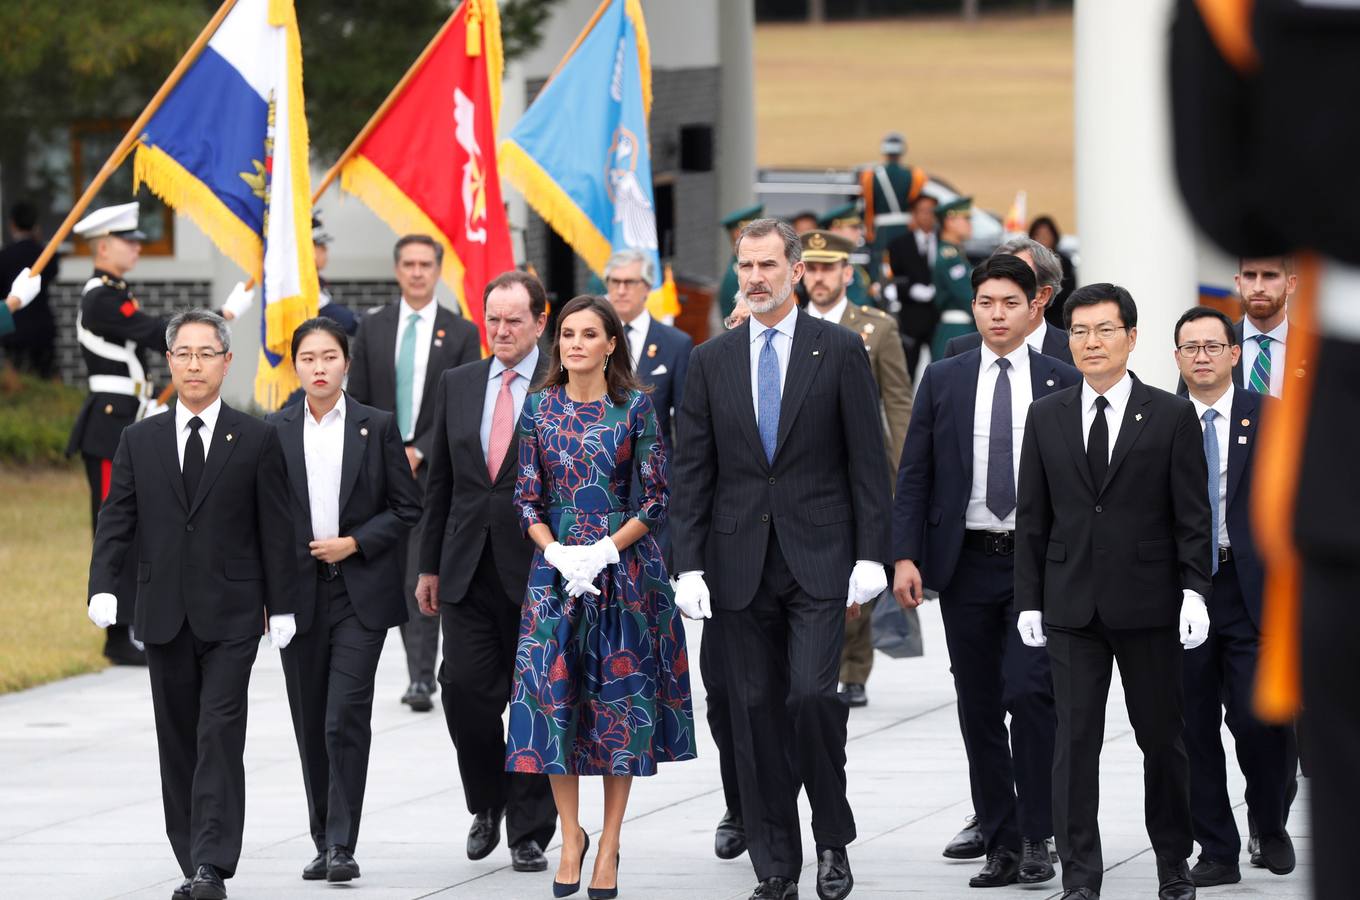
(327, 571)
(1225, 554)
(992, 543)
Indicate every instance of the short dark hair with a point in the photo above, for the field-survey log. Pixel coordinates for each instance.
(1042, 221)
(23, 215)
(538, 297)
(419, 239)
(921, 198)
(1102, 292)
(1011, 268)
(323, 324)
(1287, 261)
(1195, 313)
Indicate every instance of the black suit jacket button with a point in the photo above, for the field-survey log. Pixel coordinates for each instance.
(1099, 508)
(771, 479)
(189, 527)
(764, 517)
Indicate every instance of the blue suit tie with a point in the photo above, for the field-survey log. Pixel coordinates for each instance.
(1212, 458)
(1001, 447)
(767, 389)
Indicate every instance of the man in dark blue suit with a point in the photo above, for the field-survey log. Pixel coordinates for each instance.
(953, 531)
(1220, 673)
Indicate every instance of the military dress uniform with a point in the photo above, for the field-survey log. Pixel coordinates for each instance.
(888, 190)
(953, 287)
(114, 336)
(728, 287)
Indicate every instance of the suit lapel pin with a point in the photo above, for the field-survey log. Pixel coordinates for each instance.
(1138, 417)
(439, 333)
(1246, 422)
(439, 338)
(438, 342)
(229, 438)
(1241, 439)
(816, 353)
(1049, 382)
(363, 432)
(651, 350)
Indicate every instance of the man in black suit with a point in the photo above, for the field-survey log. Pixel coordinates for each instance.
(1222, 673)
(474, 564)
(1043, 337)
(354, 502)
(399, 354)
(202, 492)
(780, 494)
(1112, 558)
(911, 257)
(954, 532)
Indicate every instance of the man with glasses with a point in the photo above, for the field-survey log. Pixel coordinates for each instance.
(1221, 674)
(198, 507)
(1112, 562)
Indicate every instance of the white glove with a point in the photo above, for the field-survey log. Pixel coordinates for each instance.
(890, 292)
(922, 293)
(238, 302)
(867, 581)
(281, 630)
(570, 562)
(691, 596)
(1194, 620)
(25, 287)
(1031, 628)
(103, 610)
(603, 552)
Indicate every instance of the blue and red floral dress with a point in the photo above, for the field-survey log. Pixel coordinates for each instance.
(601, 681)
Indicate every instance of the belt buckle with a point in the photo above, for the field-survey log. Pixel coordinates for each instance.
(328, 571)
(998, 543)
(1224, 554)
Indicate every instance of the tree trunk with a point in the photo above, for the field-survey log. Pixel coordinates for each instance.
(970, 10)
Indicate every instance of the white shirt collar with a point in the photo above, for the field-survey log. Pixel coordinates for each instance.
(426, 312)
(834, 314)
(640, 325)
(1036, 337)
(336, 412)
(1019, 357)
(1279, 334)
(783, 326)
(1222, 406)
(1118, 395)
(524, 368)
(209, 415)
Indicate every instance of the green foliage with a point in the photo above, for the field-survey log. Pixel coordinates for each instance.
(35, 419)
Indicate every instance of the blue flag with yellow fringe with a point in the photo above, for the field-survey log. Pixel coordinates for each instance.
(228, 148)
(580, 155)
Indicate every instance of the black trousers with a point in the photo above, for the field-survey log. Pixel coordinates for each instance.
(198, 693)
(1221, 674)
(1010, 773)
(420, 633)
(330, 670)
(1150, 669)
(781, 656)
(480, 636)
(718, 708)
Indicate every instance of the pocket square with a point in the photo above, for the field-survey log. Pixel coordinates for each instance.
(659, 370)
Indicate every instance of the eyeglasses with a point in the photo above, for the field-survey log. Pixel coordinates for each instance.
(1104, 332)
(629, 283)
(207, 356)
(1213, 348)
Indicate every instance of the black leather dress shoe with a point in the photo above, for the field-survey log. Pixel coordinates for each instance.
(183, 891)
(1254, 851)
(418, 697)
(1002, 868)
(207, 884)
(1277, 853)
(485, 833)
(729, 841)
(776, 889)
(1036, 862)
(527, 856)
(834, 879)
(1081, 893)
(1173, 880)
(1210, 872)
(853, 694)
(340, 865)
(968, 843)
(316, 869)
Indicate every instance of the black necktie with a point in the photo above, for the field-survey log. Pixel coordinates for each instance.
(193, 460)
(1098, 445)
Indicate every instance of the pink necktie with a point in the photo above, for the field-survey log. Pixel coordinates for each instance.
(502, 425)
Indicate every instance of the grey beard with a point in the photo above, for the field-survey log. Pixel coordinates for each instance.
(765, 306)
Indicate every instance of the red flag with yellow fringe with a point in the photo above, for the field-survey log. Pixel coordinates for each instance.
(427, 163)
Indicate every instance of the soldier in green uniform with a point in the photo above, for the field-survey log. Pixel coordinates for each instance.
(846, 222)
(727, 289)
(953, 274)
(888, 190)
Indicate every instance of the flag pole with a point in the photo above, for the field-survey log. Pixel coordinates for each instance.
(382, 110)
(125, 145)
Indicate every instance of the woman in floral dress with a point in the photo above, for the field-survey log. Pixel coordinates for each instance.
(601, 675)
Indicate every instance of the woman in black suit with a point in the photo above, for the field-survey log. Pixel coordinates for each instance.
(354, 501)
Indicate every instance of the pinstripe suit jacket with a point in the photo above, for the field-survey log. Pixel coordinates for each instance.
(826, 494)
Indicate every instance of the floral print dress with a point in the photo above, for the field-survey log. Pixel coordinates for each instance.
(601, 681)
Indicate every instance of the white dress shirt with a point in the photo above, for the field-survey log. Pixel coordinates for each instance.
(926, 244)
(1222, 406)
(1035, 338)
(977, 516)
(519, 389)
(636, 332)
(205, 431)
(1114, 413)
(1250, 350)
(833, 314)
(323, 449)
(783, 349)
(424, 335)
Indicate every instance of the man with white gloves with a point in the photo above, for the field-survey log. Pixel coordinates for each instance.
(198, 502)
(780, 505)
(21, 293)
(1112, 562)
